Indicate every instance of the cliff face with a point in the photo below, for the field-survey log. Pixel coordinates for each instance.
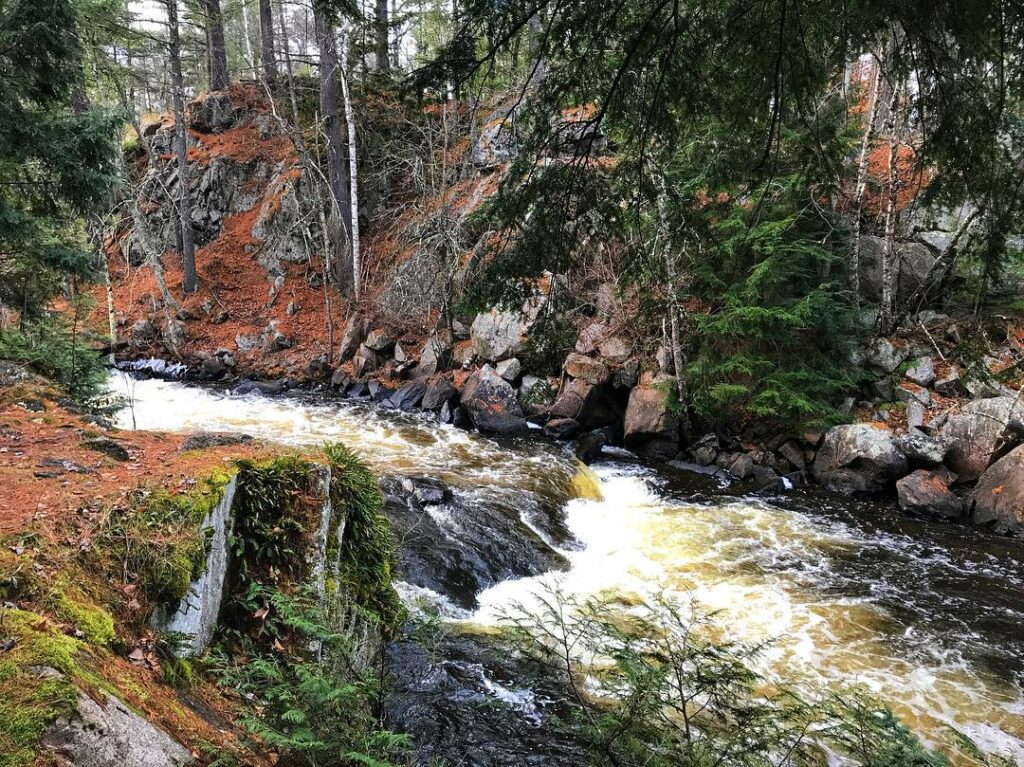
(261, 301)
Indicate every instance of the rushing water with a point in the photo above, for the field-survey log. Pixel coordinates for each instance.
(929, 616)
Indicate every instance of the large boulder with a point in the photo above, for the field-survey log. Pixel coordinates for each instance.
(491, 403)
(438, 393)
(999, 494)
(594, 372)
(651, 427)
(355, 332)
(915, 261)
(498, 334)
(980, 432)
(434, 356)
(859, 459)
(927, 493)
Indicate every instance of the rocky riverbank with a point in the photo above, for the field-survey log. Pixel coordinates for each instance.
(943, 440)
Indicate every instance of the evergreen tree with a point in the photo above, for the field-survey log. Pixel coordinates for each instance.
(57, 163)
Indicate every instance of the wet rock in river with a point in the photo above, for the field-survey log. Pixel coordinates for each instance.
(561, 428)
(266, 388)
(927, 493)
(438, 393)
(492, 405)
(465, 542)
(409, 396)
(999, 495)
(588, 446)
(470, 700)
(859, 459)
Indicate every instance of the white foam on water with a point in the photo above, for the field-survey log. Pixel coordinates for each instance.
(765, 573)
(769, 573)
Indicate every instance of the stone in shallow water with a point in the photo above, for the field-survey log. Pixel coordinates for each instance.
(474, 701)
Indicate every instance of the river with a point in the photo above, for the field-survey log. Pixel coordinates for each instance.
(929, 616)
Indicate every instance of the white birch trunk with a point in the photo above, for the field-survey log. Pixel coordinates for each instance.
(248, 43)
(889, 255)
(861, 186)
(353, 173)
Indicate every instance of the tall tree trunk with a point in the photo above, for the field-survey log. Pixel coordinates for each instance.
(396, 38)
(336, 171)
(353, 160)
(381, 31)
(890, 255)
(267, 42)
(862, 178)
(675, 283)
(286, 51)
(218, 48)
(190, 281)
(249, 58)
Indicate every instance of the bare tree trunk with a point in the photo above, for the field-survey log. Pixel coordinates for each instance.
(190, 281)
(382, 41)
(673, 287)
(890, 256)
(267, 42)
(286, 50)
(396, 39)
(218, 48)
(353, 162)
(111, 316)
(336, 171)
(249, 58)
(861, 187)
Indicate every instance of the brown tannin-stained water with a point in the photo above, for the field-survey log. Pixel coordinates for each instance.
(929, 616)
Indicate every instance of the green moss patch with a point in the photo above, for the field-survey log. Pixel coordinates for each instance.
(95, 623)
(30, 702)
(157, 540)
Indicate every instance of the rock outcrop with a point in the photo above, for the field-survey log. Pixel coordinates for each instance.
(999, 494)
(650, 426)
(109, 734)
(859, 459)
(196, 615)
(980, 432)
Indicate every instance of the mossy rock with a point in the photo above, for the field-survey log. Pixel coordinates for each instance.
(159, 539)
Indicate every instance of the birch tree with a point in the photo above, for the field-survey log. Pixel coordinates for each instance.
(353, 163)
